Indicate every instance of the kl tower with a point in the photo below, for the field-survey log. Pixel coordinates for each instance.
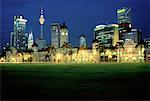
(41, 42)
(41, 20)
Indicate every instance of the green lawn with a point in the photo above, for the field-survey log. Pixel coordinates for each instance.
(75, 81)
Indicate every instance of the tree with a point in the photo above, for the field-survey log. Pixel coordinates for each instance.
(50, 51)
(119, 45)
(113, 49)
(141, 44)
(65, 47)
(70, 53)
(35, 54)
(30, 51)
(101, 48)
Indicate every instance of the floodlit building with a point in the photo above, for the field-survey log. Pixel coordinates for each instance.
(130, 53)
(30, 40)
(55, 32)
(84, 56)
(127, 32)
(124, 28)
(95, 51)
(18, 38)
(124, 19)
(134, 34)
(64, 34)
(107, 34)
(124, 15)
(147, 49)
(82, 41)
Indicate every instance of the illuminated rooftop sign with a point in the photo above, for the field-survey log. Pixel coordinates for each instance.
(99, 26)
(121, 11)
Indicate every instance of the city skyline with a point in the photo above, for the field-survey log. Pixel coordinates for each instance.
(79, 21)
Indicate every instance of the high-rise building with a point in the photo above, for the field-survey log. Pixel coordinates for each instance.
(147, 49)
(18, 38)
(11, 38)
(124, 15)
(123, 29)
(41, 42)
(107, 35)
(125, 22)
(147, 42)
(30, 40)
(126, 32)
(55, 32)
(82, 41)
(135, 35)
(63, 34)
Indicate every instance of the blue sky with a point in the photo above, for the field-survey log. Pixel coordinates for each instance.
(80, 16)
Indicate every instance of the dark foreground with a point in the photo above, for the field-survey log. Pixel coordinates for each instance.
(99, 81)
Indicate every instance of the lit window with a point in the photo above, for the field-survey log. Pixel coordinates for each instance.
(62, 33)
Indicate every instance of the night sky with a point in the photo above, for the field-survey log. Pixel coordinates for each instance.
(80, 16)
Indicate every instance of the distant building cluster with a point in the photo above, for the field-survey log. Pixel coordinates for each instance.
(116, 42)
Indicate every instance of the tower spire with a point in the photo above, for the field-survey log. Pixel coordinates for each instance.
(42, 10)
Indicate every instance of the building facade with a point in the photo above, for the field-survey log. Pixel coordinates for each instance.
(134, 34)
(124, 28)
(30, 40)
(55, 32)
(64, 35)
(147, 49)
(107, 34)
(19, 37)
(82, 41)
(130, 53)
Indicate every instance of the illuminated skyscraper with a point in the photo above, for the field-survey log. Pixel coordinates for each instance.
(123, 29)
(82, 41)
(55, 32)
(124, 15)
(30, 40)
(125, 22)
(11, 38)
(107, 35)
(18, 38)
(135, 35)
(63, 34)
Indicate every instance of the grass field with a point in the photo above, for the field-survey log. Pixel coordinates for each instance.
(80, 81)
